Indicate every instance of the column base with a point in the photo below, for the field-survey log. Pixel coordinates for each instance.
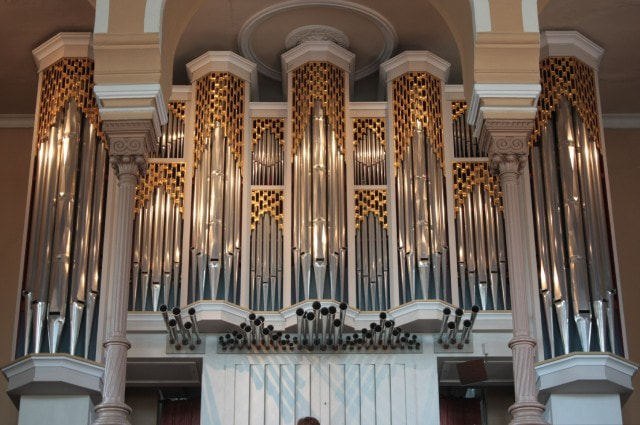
(58, 389)
(585, 388)
(527, 413)
(112, 414)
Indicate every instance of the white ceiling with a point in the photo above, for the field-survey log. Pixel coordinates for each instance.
(216, 26)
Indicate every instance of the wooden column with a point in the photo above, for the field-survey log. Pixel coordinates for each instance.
(507, 152)
(130, 144)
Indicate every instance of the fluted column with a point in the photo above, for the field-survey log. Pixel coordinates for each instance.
(130, 143)
(507, 151)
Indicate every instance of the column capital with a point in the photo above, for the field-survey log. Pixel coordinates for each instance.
(506, 143)
(130, 143)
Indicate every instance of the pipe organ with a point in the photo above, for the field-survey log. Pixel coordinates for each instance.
(318, 168)
(267, 207)
(421, 209)
(575, 268)
(215, 247)
(62, 266)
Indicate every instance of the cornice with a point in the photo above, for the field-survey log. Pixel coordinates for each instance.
(317, 50)
(414, 61)
(222, 62)
(63, 45)
(570, 43)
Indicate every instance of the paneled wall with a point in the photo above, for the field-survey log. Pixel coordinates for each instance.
(367, 389)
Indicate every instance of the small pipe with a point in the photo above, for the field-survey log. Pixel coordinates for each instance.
(443, 327)
(464, 339)
(377, 335)
(387, 333)
(337, 337)
(300, 318)
(323, 324)
(310, 322)
(458, 318)
(188, 338)
(452, 334)
(383, 318)
(180, 327)
(171, 326)
(265, 337)
(474, 312)
(395, 335)
(194, 322)
(165, 317)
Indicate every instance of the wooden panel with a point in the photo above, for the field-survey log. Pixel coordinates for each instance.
(256, 395)
(352, 396)
(272, 395)
(358, 389)
(336, 394)
(398, 395)
(303, 390)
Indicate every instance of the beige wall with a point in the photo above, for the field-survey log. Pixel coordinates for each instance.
(144, 402)
(15, 149)
(623, 161)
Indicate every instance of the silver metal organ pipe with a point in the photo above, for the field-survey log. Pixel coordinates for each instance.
(490, 212)
(423, 206)
(62, 241)
(169, 225)
(215, 214)
(319, 201)
(573, 219)
(556, 233)
(470, 247)
(158, 230)
(479, 234)
(95, 244)
(544, 271)
(409, 223)
(79, 275)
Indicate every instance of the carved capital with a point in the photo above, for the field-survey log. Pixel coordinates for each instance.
(506, 143)
(133, 165)
(130, 137)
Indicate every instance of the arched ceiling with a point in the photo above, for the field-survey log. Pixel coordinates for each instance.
(612, 24)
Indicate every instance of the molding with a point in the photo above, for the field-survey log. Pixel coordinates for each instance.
(246, 32)
(454, 92)
(316, 33)
(570, 43)
(317, 51)
(17, 120)
(180, 93)
(222, 317)
(585, 373)
(63, 45)
(368, 109)
(502, 91)
(414, 61)
(268, 109)
(222, 62)
(616, 121)
(53, 374)
(108, 94)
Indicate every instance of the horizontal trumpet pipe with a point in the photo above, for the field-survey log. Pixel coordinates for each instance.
(443, 327)
(194, 322)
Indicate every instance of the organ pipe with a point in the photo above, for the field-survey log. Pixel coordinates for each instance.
(65, 227)
(157, 238)
(482, 272)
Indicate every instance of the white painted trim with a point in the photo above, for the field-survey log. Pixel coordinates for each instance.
(570, 43)
(367, 109)
(180, 94)
(317, 51)
(530, 16)
(504, 91)
(268, 109)
(17, 120)
(107, 92)
(621, 121)
(587, 373)
(153, 16)
(454, 92)
(414, 61)
(222, 62)
(387, 30)
(481, 12)
(101, 24)
(63, 45)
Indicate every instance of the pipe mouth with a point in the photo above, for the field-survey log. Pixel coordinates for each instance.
(466, 323)
(332, 310)
(252, 316)
(475, 309)
(383, 315)
(451, 325)
(324, 311)
(343, 306)
(446, 311)
(316, 305)
(163, 308)
(300, 312)
(188, 325)
(459, 311)
(172, 322)
(192, 311)
(310, 316)
(337, 323)
(176, 311)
